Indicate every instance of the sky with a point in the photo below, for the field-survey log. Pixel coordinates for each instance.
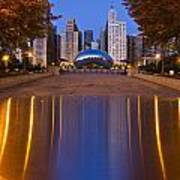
(90, 14)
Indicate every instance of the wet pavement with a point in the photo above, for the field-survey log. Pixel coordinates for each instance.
(90, 138)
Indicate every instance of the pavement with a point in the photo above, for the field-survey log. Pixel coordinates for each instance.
(169, 82)
(18, 80)
(88, 85)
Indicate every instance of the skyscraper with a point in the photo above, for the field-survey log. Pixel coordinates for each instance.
(52, 44)
(73, 40)
(117, 42)
(88, 38)
(131, 48)
(58, 47)
(104, 39)
(40, 52)
(63, 45)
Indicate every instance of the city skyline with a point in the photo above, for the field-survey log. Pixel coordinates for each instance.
(113, 41)
(85, 14)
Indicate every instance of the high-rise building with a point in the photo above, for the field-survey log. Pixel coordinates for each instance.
(103, 42)
(117, 42)
(63, 45)
(140, 51)
(52, 44)
(88, 38)
(73, 40)
(104, 38)
(139, 47)
(58, 47)
(40, 51)
(131, 44)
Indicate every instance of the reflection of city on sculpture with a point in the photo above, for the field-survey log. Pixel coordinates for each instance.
(93, 57)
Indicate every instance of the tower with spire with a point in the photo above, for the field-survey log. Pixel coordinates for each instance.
(117, 43)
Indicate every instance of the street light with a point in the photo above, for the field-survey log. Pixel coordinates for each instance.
(158, 56)
(5, 58)
(30, 55)
(178, 61)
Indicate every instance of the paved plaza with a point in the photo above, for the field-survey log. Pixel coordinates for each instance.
(89, 84)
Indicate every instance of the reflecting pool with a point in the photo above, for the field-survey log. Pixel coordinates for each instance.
(90, 138)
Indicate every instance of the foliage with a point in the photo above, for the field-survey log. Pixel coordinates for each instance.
(22, 20)
(158, 20)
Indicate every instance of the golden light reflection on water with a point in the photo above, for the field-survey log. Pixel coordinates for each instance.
(179, 112)
(30, 133)
(136, 133)
(158, 137)
(6, 129)
(2, 178)
(129, 129)
(139, 120)
(140, 128)
(53, 121)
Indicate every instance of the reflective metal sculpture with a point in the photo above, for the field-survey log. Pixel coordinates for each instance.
(93, 58)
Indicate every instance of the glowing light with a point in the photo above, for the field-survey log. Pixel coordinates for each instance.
(179, 111)
(178, 60)
(6, 58)
(158, 56)
(158, 137)
(53, 121)
(30, 133)
(129, 124)
(6, 129)
(30, 54)
(2, 178)
(140, 125)
(139, 120)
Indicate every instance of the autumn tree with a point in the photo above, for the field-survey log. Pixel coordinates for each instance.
(158, 20)
(22, 20)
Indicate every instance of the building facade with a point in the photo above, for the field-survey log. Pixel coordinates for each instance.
(40, 52)
(73, 40)
(131, 56)
(94, 45)
(52, 45)
(88, 38)
(63, 45)
(117, 32)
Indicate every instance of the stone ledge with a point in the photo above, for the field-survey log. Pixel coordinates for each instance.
(163, 81)
(9, 82)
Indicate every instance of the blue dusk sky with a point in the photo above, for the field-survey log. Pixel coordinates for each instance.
(91, 14)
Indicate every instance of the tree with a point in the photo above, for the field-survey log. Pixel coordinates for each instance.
(158, 20)
(22, 20)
